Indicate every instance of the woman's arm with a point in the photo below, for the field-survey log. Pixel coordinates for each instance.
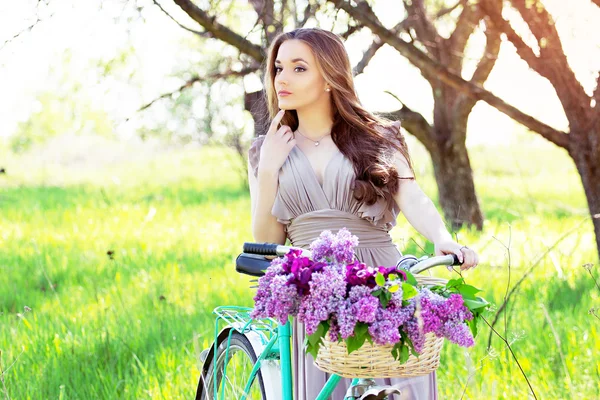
(265, 227)
(269, 153)
(422, 214)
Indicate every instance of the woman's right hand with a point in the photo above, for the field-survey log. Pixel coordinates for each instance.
(277, 145)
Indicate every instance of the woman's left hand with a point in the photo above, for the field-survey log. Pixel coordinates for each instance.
(467, 256)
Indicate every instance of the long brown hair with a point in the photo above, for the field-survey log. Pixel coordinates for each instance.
(368, 140)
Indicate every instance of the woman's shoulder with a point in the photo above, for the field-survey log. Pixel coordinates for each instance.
(254, 153)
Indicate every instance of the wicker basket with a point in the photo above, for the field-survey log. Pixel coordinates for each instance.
(376, 361)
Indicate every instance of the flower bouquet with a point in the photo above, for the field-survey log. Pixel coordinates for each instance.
(344, 303)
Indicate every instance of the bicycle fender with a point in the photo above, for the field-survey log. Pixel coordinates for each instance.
(270, 369)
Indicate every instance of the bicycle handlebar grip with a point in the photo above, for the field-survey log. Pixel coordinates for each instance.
(266, 249)
(456, 260)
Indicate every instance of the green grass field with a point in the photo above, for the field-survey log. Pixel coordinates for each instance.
(132, 327)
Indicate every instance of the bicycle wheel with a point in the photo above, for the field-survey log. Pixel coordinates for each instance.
(237, 367)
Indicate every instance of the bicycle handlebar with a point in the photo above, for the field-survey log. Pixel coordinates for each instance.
(413, 264)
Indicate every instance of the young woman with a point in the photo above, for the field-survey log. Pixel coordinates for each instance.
(327, 163)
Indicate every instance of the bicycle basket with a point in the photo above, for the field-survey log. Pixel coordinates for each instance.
(376, 361)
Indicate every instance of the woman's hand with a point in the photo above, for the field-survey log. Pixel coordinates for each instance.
(467, 256)
(277, 145)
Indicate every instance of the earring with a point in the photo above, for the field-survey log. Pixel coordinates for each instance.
(327, 90)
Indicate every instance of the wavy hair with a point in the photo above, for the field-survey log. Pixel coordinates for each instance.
(366, 139)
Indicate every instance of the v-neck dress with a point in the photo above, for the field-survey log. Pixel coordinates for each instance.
(306, 208)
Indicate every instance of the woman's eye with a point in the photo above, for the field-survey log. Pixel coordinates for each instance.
(278, 68)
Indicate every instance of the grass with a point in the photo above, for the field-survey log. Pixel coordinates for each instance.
(131, 325)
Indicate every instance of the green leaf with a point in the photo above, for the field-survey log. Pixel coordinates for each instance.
(392, 277)
(385, 298)
(455, 283)
(393, 289)
(474, 304)
(354, 343)
(315, 338)
(404, 354)
(468, 291)
(473, 326)
(410, 278)
(313, 342)
(377, 292)
(361, 329)
(312, 349)
(408, 291)
(396, 351)
(380, 279)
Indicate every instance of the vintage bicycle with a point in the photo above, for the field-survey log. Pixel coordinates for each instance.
(251, 358)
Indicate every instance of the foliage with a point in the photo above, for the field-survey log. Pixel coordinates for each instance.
(138, 322)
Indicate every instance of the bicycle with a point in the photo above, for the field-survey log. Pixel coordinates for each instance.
(257, 353)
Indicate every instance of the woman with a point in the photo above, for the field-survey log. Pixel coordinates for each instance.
(332, 164)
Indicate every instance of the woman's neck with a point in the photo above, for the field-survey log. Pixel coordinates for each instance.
(316, 122)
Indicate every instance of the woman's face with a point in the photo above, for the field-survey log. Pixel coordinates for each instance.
(296, 72)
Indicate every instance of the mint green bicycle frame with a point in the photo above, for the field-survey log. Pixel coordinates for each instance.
(278, 346)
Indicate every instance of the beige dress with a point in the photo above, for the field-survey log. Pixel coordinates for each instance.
(306, 208)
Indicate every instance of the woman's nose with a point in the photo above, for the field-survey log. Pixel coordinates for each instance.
(281, 79)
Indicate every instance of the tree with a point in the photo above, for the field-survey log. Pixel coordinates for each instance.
(445, 138)
(582, 141)
(583, 112)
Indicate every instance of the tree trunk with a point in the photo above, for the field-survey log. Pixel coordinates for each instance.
(454, 178)
(256, 104)
(585, 151)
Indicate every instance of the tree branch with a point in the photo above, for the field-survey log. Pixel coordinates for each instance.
(220, 31)
(542, 25)
(445, 11)
(367, 56)
(415, 124)
(424, 29)
(376, 45)
(524, 51)
(465, 26)
(552, 62)
(190, 82)
(204, 34)
(489, 57)
(484, 68)
(351, 29)
(365, 15)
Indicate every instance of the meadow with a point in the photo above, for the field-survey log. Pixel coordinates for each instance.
(108, 276)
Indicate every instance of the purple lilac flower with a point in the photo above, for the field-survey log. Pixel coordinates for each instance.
(338, 248)
(415, 334)
(321, 248)
(445, 317)
(459, 333)
(385, 329)
(275, 298)
(358, 292)
(343, 246)
(346, 319)
(334, 330)
(327, 292)
(396, 300)
(366, 308)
